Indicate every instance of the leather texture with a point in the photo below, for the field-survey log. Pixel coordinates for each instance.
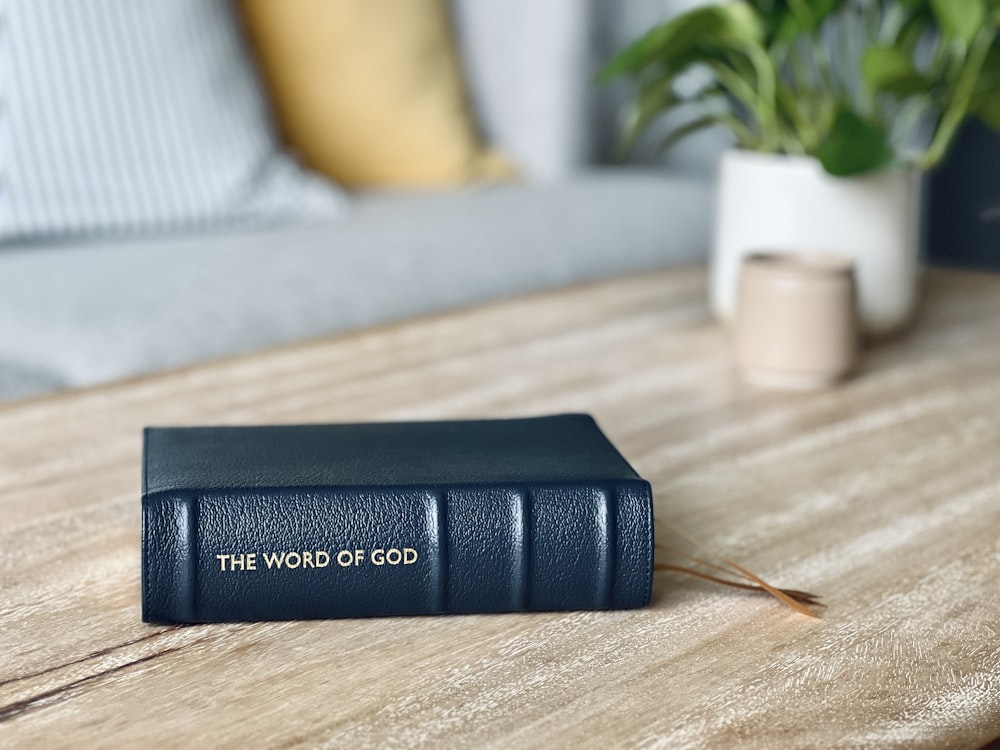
(391, 519)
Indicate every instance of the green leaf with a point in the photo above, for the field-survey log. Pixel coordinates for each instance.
(812, 13)
(685, 130)
(912, 31)
(787, 27)
(742, 21)
(988, 111)
(701, 33)
(785, 20)
(890, 70)
(669, 45)
(959, 19)
(854, 146)
(653, 101)
(985, 102)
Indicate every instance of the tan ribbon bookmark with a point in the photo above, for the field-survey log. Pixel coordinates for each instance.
(801, 601)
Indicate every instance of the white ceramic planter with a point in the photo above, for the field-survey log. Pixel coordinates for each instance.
(790, 203)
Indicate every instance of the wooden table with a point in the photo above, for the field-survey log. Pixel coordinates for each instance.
(883, 496)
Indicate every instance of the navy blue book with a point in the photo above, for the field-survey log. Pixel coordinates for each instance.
(358, 520)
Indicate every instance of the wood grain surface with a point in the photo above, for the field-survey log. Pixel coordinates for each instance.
(882, 495)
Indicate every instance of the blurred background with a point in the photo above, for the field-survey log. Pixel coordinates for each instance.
(187, 179)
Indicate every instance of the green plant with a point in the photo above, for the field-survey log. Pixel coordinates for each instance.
(859, 84)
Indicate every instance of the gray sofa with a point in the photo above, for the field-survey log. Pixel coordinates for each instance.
(77, 313)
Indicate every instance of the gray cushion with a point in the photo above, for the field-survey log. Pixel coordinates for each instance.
(21, 381)
(118, 115)
(529, 65)
(89, 313)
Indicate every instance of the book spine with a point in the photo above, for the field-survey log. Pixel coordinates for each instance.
(224, 556)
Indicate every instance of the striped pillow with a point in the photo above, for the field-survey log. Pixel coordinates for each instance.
(130, 115)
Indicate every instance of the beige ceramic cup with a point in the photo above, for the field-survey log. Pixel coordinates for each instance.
(796, 321)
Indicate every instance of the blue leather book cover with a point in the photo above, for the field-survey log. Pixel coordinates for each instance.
(357, 520)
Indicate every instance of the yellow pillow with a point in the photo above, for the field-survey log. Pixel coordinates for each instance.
(369, 92)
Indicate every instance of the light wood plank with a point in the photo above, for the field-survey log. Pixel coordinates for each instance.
(883, 495)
